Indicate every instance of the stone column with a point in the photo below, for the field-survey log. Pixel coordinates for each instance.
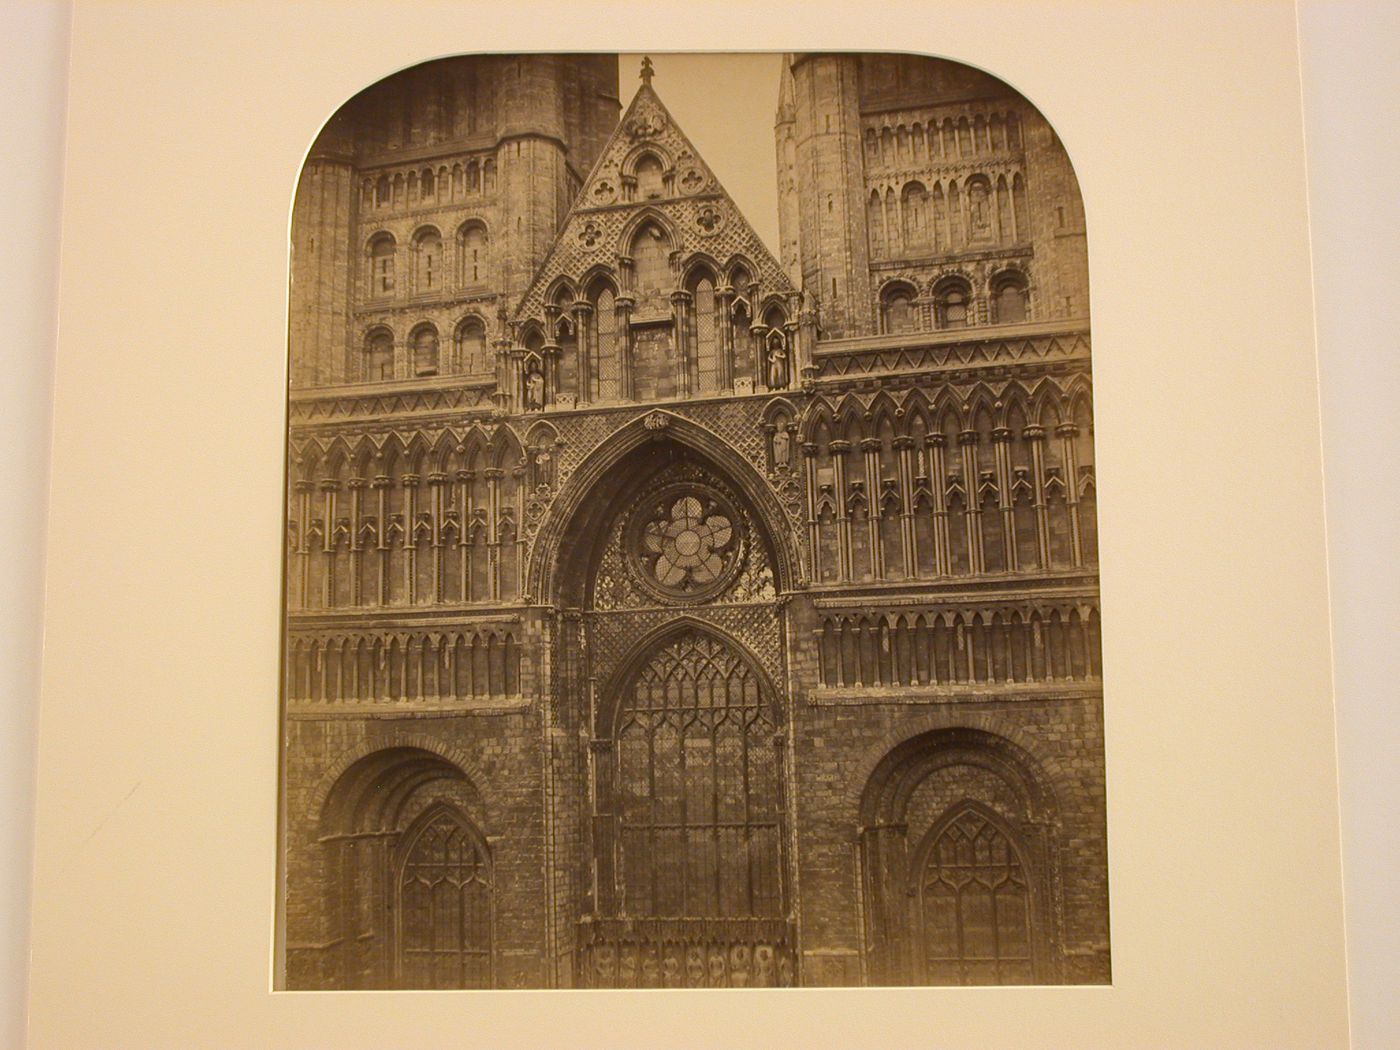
(582, 309)
(904, 449)
(1070, 458)
(686, 379)
(1035, 437)
(870, 448)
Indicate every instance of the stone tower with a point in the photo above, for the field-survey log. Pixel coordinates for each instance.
(444, 183)
(896, 170)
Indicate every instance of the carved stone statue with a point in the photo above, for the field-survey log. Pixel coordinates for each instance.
(777, 364)
(534, 389)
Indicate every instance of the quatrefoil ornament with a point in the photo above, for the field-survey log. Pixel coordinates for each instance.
(709, 220)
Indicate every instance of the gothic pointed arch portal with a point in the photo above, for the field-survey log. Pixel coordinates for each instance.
(670, 645)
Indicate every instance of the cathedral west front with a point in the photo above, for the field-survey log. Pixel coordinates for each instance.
(664, 611)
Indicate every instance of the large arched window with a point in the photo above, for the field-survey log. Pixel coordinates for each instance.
(427, 252)
(898, 310)
(443, 890)
(425, 350)
(651, 267)
(381, 266)
(952, 301)
(696, 786)
(471, 347)
(1009, 299)
(379, 355)
(974, 903)
(474, 261)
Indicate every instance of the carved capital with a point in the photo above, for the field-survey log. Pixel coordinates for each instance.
(1033, 432)
(809, 448)
(1067, 429)
(870, 444)
(967, 437)
(903, 441)
(839, 447)
(1001, 434)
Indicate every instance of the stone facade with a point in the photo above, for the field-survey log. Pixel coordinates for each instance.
(665, 613)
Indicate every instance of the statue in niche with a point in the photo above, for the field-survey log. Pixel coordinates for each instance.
(534, 388)
(777, 363)
(978, 216)
(782, 447)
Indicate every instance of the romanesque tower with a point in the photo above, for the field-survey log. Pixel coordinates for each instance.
(440, 187)
(906, 173)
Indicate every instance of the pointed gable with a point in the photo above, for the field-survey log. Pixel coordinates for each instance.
(650, 180)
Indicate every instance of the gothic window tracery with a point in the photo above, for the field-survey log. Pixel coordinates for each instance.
(443, 888)
(697, 793)
(686, 543)
(704, 335)
(974, 905)
(608, 375)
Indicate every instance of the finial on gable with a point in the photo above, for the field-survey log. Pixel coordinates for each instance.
(647, 71)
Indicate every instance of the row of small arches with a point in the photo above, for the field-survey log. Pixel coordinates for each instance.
(384, 357)
(950, 302)
(470, 448)
(975, 212)
(439, 185)
(915, 142)
(405, 668)
(1048, 403)
(951, 648)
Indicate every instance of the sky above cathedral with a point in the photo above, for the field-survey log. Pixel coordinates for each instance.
(725, 104)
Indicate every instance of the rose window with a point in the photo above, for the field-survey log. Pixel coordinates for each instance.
(685, 543)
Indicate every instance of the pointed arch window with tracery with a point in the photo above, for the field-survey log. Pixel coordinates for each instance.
(443, 890)
(974, 904)
(696, 786)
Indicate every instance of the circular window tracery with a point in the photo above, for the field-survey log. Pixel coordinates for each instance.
(685, 543)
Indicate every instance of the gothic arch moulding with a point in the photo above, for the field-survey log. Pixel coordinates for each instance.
(561, 524)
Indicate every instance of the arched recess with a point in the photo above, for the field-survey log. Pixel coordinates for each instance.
(408, 874)
(693, 788)
(688, 850)
(958, 864)
(583, 504)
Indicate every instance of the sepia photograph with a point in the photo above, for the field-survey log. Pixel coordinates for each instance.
(691, 575)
